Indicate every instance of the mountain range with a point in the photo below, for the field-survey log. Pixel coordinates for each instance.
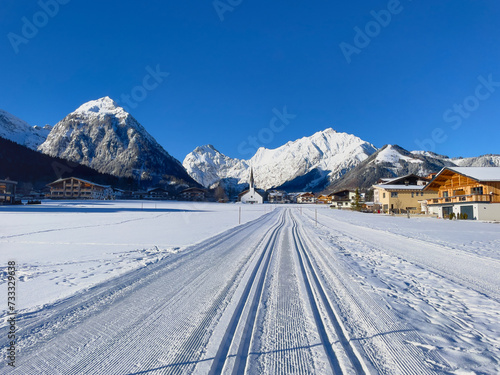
(309, 163)
(324, 162)
(104, 137)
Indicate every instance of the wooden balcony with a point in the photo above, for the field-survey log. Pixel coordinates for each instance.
(462, 199)
(343, 199)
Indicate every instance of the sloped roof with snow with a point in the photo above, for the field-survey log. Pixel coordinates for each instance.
(478, 173)
(399, 187)
(79, 179)
(391, 181)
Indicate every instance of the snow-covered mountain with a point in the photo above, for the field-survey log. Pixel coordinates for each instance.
(392, 161)
(16, 130)
(305, 164)
(208, 166)
(479, 161)
(103, 136)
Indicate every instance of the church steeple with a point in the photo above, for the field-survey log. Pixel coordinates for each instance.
(251, 196)
(251, 182)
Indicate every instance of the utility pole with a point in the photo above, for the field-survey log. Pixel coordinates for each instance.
(239, 216)
(316, 214)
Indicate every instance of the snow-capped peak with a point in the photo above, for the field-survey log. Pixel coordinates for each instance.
(391, 155)
(19, 131)
(103, 136)
(325, 154)
(101, 106)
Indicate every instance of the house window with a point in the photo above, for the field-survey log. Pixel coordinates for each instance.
(383, 195)
(477, 190)
(394, 194)
(445, 194)
(413, 195)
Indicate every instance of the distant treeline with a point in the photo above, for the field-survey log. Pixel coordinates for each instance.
(35, 169)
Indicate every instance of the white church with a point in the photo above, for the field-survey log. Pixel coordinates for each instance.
(251, 196)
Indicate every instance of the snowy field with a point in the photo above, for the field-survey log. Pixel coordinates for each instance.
(181, 288)
(62, 247)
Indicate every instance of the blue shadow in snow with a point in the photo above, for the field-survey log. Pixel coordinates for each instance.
(68, 209)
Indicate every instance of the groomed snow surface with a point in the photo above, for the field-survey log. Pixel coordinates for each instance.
(181, 288)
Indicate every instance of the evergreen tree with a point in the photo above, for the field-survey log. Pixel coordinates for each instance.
(356, 205)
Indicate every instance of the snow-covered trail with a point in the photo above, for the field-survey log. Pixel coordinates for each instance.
(273, 296)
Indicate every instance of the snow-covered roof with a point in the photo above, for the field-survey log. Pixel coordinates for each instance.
(8, 182)
(399, 187)
(478, 173)
(389, 180)
(79, 179)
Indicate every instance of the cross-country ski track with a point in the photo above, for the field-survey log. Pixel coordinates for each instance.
(277, 295)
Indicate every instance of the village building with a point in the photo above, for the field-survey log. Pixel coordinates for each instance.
(323, 199)
(122, 194)
(251, 195)
(77, 188)
(342, 198)
(402, 194)
(139, 194)
(7, 192)
(157, 193)
(292, 197)
(466, 192)
(193, 194)
(306, 198)
(277, 196)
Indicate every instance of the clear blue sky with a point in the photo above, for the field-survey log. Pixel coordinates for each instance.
(230, 68)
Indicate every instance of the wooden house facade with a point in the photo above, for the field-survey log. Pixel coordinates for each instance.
(472, 192)
(77, 188)
(323, 199)
(193, 194)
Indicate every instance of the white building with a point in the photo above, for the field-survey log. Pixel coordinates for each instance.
(251, 196)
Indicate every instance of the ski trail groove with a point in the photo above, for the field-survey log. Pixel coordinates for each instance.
(371, 315)
(221, 356)
(315, 283)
